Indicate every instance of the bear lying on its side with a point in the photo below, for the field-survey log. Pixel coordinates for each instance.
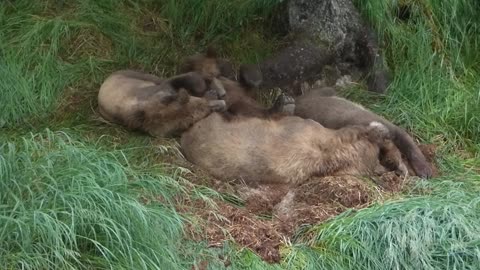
(335, 112)
(288, 150)
(145, 102)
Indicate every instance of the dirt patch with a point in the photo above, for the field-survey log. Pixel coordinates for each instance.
(272, 213)
(349, 191)
(227, 222)
(247, 230)
(312, 202)
(391, 182)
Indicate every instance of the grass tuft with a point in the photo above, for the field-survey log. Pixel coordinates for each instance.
(67, 205)
(434, 231)
(213, 20)
(435, 90)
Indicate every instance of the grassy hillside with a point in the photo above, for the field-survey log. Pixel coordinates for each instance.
(79, 194)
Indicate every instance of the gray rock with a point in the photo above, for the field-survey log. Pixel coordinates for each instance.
(325, 32)
(301, 61)
(335, 23)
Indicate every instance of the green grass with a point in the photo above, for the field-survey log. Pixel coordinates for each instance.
(87, 195)
(435, 61)
(65, 204)
(431, 231)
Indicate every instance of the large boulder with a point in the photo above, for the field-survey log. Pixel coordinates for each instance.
(325, 33)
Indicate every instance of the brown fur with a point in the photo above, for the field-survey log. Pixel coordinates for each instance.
(289, 150)
(190, 81)
(147, 103)
(250, 76)
(240, 102)
(208, 65)
(239, 96)
(334, 112)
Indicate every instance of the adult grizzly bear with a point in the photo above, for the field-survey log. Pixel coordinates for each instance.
(335, 112)
(161, 108)
(288, 150)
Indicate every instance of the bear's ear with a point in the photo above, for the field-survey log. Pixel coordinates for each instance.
(169, 99)
(183, 96)
(211, 52)
(250, 75)
(192, 81)
(186, 65)
(226, 69)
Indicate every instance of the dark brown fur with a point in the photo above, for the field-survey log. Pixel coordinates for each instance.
(334, 112)
(239, 96)
(240, 102)
(159, 107)
(289, 150)
(250, 76)
(208, 65)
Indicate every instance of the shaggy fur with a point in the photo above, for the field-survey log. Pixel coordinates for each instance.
(158, 107)
(335, 112)
(208, 65)
(289, 150)
(238, 94)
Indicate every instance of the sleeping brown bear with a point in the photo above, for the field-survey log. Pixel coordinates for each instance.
(159, 107)
(239, 97)
(334, 112)
(207, 64)
(288, 150)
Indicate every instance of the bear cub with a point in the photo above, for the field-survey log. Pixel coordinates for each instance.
(159, 107)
